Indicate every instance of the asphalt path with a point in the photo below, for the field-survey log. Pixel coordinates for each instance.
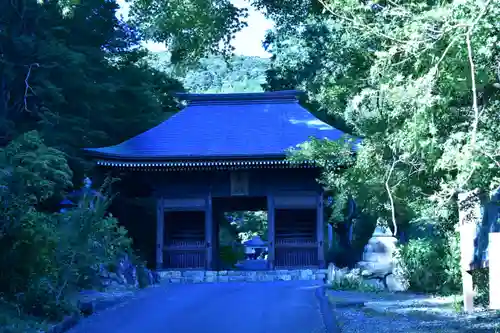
(257, 307)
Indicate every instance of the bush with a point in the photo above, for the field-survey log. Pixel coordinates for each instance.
(230, 256)
(432, 265)
(481, 283)
(45, 258)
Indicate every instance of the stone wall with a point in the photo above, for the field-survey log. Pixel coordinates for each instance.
(241, 276)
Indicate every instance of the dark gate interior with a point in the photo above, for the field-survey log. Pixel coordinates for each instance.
(296, 242)
(185, 246)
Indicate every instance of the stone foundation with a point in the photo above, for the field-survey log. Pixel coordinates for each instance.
(241, 276)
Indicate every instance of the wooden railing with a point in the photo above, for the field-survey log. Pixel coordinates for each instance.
(296, 253)
(185, 255)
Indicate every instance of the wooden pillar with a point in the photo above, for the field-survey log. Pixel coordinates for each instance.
(494, 265)
(330, 235)
(160, 233)
(320, 230)
(209, 232)
(215, 242)
(270, 230)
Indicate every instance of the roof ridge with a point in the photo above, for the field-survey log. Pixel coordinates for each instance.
(242, 102)
(245, 98)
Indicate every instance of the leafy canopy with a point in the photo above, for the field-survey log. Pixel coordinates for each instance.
(190, 29)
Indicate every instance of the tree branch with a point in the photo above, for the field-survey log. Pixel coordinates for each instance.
(357, 25)
(389, 193)
(475, 106)
(27, 86)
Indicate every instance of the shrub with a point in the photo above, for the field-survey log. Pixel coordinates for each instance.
(45, 258)
(230, 256)
(353, 281)
(431, 265)
(481, 283)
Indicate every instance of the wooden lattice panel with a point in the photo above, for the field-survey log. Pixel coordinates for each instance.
(185, 245)
(295, 238)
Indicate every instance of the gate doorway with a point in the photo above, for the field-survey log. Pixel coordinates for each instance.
(236, 220)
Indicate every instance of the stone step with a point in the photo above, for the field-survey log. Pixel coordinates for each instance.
(190, 276)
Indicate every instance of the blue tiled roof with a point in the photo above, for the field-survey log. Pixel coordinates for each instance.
(226, 126)
(255, 241)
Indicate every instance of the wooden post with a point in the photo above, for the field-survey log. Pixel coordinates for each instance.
(494, 265)
(330, 236)
(216, 245)
(160, 233)
(467, 232)
(320, 236)
(469, 214)
(209, 232)
(270, 230)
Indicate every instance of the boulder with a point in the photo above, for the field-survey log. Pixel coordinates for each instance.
(395, 284)
(376, 284)
(127, 274)
(330, 273)
(127, 271)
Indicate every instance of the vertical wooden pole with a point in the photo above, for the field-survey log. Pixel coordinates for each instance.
(467, 232)
(271, 230)
(494, 265)
(209, 232)
(160, 233)
(216, 245)
(330, 236)
(320, 231)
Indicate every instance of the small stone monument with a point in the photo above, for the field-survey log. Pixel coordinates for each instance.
(378, 254)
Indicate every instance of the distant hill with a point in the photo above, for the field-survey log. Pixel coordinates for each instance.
(216, 75)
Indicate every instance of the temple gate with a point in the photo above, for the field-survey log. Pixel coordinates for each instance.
(228, 152)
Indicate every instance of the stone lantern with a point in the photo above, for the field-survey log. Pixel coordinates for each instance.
(378, 253)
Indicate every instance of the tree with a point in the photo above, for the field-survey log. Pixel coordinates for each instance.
(72, 75)
(394, 74)
(79, 87)
(190, 29)
(217, 74)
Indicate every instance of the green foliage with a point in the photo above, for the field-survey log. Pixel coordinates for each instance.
(419, 84)
(216, 73)
(45, 258)
(248, 224)
(431, 265)
(191, 29)
(78, 87)
(481, 280)
(12, 321)
(230, 255)
(353, 282)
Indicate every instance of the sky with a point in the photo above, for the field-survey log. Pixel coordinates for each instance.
(247, 42)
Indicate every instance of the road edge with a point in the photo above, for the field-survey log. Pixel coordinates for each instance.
(327, 311)
(90, 308)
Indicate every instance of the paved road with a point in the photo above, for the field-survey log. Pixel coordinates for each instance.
(266, 307)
